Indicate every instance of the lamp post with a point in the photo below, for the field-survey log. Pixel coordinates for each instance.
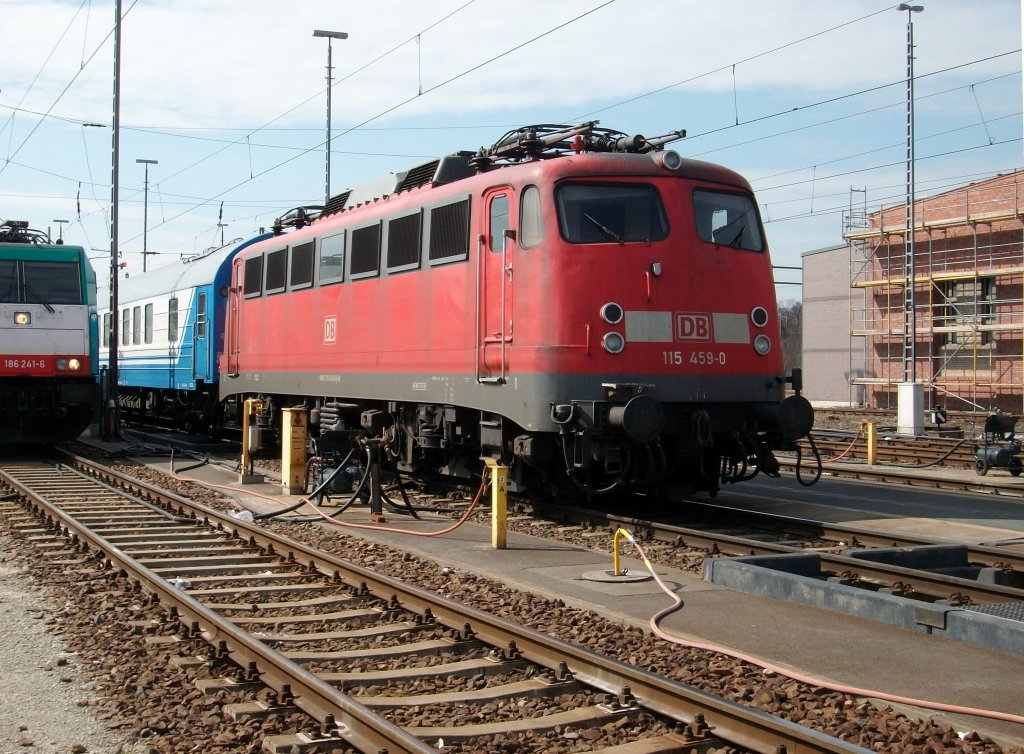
(329, 35)
(145, 210)
(910, 402)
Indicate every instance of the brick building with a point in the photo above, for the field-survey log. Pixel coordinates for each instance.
(966, 311)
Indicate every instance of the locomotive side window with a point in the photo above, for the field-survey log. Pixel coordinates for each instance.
(253, 276)
(499, 222)
(727, 219)
(449, 232)
(610, 213)
(403, 242)
(148, 333)
(172, 320)
(365, 251)
(51, 283)
(300, 274)
(332, 258)
(531, 222)
(277, 267)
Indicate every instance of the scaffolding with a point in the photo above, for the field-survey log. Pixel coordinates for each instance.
(967, 318)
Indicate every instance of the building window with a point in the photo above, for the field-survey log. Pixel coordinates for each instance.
(966, 306)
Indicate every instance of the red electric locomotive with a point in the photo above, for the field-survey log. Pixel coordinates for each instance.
(587, 306)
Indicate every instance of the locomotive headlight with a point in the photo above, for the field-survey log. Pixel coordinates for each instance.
(23, 318)
(62, 364)
(613, 342)
(762, 344)
(759, 316)
(670, 159)
(612, 313)
(74, 365)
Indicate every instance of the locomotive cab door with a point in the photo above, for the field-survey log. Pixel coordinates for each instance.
(231, 325)
(495, 243)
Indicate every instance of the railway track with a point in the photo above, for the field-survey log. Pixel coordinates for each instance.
(770, 534)
(377, 664)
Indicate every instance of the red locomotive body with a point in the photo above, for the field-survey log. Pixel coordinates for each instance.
(586, 306)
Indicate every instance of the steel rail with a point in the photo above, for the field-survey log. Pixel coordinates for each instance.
(739, 725)
(356, 724)
(936, 585)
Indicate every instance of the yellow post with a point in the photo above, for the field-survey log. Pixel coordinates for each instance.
(293, 450)
(499, 503)
(250, 440)
(619, 534)
(871, 434)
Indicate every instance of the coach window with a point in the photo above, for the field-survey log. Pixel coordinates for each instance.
(136, 325)
(610, 213)
(126, 326)
(531, 222)
(201, 316)
(726, 219)
(499, 222)
(148, 336)
(172, 320)
(332, 259)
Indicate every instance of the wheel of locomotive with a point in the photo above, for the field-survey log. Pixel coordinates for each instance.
(981, 466)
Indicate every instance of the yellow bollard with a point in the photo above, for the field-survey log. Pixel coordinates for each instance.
(250, 440)
(293, 450)
(871, 434)
(499, 503)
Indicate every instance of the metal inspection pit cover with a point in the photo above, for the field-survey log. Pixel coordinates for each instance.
(1008, 610)
(609, 577)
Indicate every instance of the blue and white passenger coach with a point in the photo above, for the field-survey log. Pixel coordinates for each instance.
(171, 322)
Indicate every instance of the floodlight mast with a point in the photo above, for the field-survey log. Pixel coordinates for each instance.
(328, 35)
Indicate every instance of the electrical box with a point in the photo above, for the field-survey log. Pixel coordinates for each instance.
(294, 429)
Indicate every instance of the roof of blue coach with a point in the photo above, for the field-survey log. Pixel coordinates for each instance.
(182, 275)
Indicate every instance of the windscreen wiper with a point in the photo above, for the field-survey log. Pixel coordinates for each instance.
(608, 232)
(38, 298)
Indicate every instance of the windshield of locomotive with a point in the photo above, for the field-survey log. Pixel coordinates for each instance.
(51, 283)
(727, 219)
(604, 212)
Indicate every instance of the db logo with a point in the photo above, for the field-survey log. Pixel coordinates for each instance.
(330, 329)
(693, 326)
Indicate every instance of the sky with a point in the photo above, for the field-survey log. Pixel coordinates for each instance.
(807, 100)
